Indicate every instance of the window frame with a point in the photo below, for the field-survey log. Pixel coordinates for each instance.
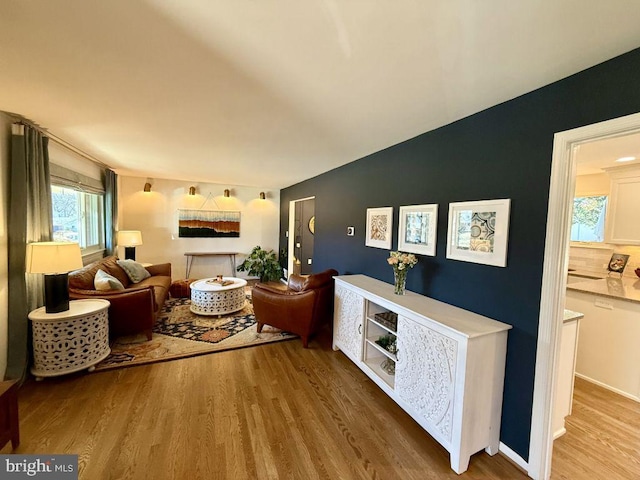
(595, 243)
(85, 213)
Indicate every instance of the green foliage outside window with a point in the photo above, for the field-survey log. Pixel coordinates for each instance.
(588, 219)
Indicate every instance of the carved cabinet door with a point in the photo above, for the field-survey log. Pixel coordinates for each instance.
(425, 373)
(348, 317)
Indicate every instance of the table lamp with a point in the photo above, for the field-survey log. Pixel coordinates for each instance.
(55, 260)
(129, 239)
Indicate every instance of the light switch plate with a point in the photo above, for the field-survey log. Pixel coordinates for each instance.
(351, 231)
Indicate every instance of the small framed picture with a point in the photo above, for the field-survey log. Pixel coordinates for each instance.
(618, 262)
(379, 224)
(478, 231)
(417, 229)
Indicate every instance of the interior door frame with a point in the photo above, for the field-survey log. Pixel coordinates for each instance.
(554, 279)
(292, 226)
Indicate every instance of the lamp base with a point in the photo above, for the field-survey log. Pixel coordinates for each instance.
(56, 293)
(129, 253)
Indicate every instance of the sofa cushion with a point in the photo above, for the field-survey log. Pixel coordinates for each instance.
(110, 265)
(134, 270)
(83, 278)
(104, 281)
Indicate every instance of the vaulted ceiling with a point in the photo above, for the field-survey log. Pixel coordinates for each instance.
(271, 92)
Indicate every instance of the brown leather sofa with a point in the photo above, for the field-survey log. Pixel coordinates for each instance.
(134, 309)
(305, 305)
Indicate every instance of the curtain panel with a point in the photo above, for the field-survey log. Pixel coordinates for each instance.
(110, 211)
(29, 220)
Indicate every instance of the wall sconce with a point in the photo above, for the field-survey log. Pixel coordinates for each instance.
(226, 192)
(262, 196)
(192, 190)
(147, 187)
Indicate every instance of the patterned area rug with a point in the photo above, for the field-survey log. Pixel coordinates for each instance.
(179, 333)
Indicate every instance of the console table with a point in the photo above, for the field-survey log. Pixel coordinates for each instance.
(192, 255)
(441, 364)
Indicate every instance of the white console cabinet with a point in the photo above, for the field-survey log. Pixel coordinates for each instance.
(443, 365)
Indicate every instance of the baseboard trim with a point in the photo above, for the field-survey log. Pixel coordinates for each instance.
(608, 387)
(514, 457)
(559, 433)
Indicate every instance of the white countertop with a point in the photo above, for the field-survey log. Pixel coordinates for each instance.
(587, 274)
(621, 288)
(571, 315)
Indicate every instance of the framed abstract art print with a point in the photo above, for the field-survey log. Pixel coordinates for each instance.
(478, 231)
(417, 229)
(379, 223)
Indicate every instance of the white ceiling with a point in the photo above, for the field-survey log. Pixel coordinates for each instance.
(593, 157)
(268, 93)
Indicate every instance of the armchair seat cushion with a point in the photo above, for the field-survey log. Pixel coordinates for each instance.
(301, 309)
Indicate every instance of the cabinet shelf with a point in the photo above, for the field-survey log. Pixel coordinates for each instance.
(372, 341)
(374, 365)
(384, 327)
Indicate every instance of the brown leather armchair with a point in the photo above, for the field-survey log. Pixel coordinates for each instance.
(300, 309)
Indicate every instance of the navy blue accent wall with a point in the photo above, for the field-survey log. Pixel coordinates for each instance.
(502, 152)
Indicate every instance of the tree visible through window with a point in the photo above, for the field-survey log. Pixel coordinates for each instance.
(78, 217)
(588, 219)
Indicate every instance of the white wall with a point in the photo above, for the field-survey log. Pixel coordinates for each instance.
(594, 184)
(155, 213)
(5, 143)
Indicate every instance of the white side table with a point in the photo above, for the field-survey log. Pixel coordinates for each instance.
(70, 341)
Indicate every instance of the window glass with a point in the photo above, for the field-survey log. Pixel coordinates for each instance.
(588, 219)
(78, 217)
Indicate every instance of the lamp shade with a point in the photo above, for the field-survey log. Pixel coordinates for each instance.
(53, 257)
(129, 238)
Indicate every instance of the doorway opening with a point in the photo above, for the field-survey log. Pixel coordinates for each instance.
(301, 236)
(554, 278)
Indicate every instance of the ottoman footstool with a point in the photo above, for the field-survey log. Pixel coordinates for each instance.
(181, 288)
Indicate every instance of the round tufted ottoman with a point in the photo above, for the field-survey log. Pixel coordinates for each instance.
(181, 288)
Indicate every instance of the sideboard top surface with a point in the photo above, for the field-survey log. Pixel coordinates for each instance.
(457, 319)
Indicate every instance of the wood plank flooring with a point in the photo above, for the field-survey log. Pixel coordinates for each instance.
(602, 439)
(269, 412)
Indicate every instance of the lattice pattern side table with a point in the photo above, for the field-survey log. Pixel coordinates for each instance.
(210, 298)
(70, 341)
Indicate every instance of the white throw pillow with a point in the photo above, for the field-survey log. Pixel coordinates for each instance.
(135, 271)
(104, 281)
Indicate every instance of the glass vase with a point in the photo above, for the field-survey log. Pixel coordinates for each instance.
(399, 281)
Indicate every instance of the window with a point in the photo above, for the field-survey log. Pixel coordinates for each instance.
(78, 217)
(588, 219)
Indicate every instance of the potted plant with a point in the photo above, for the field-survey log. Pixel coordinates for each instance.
(262, 264)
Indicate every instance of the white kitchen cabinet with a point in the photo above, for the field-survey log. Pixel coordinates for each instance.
(608, 352)
(447, 371)
(563, 398)
(623, 211)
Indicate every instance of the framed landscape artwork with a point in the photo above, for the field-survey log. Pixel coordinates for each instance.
(208, 223)
(379, 224)
(417, 229)
(478, 231)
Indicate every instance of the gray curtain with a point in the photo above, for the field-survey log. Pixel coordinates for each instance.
(110, 211)
(30, 220)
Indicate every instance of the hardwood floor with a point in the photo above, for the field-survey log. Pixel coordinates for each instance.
(602, 439)
(272, 411)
